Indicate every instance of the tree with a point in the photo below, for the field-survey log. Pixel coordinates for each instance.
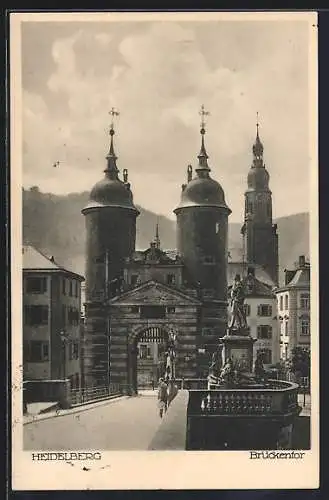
(300, 361)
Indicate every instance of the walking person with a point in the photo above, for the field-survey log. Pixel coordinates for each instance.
(172, 391)
(162, 397)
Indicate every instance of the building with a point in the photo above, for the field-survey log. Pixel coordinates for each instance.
(259, 232)
(293, 305)
(51, 319)
(134, 299)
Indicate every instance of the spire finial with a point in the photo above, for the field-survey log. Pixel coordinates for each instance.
(203, 113)
(113, 112)
(258, 148)
(157, 238)
(111, 157)
(203, 157)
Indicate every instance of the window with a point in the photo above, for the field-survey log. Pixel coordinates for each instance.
(206, 331)
(37, 351)
(286, 327)
(249, 207)
(171, 310)
(36, 285)
(144, 351)
(64, 286)
(266, 355)
(171, 279)
(305, 301)
(134, 309)
(70, 288)
(217, 227)
(305, 326)
(281, 303)
(133, 279)
(264, 332)
(153, 312)
(286, 301)
(36, 315)
(264, 310)
(247, 309)
(73, 316)
(75, 350)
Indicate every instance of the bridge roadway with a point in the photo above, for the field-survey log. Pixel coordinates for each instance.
(122, 424)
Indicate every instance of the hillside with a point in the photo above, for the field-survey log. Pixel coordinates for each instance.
(54, 224)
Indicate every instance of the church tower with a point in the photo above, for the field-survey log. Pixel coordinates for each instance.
(111, 235)
(259, 232)
(202, 228)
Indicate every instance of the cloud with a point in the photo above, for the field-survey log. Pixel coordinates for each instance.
(158, 77)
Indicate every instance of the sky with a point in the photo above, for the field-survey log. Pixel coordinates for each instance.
(158, 74)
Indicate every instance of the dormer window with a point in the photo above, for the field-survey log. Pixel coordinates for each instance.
(171, 278)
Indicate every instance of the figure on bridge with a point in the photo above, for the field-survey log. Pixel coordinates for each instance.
(171, 355)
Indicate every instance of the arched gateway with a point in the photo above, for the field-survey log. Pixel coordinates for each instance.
(146, 359)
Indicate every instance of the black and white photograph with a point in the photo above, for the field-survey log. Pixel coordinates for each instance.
(164, 227)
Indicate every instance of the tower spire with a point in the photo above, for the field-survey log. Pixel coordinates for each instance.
(258, 148)
(112, 169)
(157, 238)
(203, 157)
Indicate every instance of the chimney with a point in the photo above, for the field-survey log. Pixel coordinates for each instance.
(52, 259)
(301, 261)
(251, 271)
(288, 275)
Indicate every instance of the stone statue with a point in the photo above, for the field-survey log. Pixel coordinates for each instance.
(171, 354)
(238, 316)
(216, 362)
(227, 372)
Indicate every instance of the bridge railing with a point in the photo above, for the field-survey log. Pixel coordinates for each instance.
(277, 400)
(80, 396)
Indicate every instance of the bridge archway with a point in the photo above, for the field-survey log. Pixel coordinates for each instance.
(146, 335)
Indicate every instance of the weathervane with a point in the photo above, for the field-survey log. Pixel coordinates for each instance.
(257, 124)
(113, 113)
(203, 113)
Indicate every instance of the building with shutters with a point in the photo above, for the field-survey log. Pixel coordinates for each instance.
(51, 319)
(293, 304)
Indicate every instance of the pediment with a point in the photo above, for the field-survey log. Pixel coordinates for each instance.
(154, 293)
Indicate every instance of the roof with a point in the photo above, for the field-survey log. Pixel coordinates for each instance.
(35, 260)
(155, 256)
(300, 279)
(255, 288)
(241, 268)
(154, 292)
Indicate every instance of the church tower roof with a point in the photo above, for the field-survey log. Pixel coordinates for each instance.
(111, 191)
(258, 176)
(201, 190)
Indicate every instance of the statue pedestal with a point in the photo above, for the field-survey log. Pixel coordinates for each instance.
(238, 346)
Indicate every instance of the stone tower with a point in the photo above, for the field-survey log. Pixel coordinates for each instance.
(259, 232)
(202, 227)
(111, 234)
